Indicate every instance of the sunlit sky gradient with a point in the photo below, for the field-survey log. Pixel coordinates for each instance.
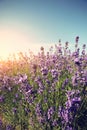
(29, 24)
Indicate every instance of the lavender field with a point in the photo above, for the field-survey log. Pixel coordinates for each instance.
(45, 91)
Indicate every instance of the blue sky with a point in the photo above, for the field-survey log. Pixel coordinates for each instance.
(41, 22)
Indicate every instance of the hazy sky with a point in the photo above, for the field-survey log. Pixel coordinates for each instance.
(30, 24)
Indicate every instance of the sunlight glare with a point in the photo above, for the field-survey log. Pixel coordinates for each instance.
(14, 41)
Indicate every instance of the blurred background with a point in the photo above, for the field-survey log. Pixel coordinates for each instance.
(30, 24)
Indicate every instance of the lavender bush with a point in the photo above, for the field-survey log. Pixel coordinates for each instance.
(45, 91)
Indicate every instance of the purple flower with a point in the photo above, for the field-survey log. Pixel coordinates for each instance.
(63, 114)
(68, 112)
(55, 123)
(48, 82)
(28, 89)
(50, 112)
(1, 123)
(40, 90)
(38, 79)
(22, 78)
(16, 95)
(83, 52)
(45, 99)
(85, 59)
(68, 128)
(38, 110)
(14, 110)
(84, 46)
(76, 100)
(54, 73)
(41, 87)
(74, 81)
(77, 61)
(9, 88)
(85, 74)
(65, 83)
(66, 44)
(77, 39)
(44, 71)
(2, 98)
(8, 127)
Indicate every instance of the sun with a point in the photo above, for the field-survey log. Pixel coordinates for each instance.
(13, 41)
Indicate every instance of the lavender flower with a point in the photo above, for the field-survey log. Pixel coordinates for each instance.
(77, 39)
(14, 110)
(54, 74)
(9, 88)
(1, 123)
(67, 113)
(65, 83)
(85, 75)
(84, 46)
(74, 81)
(2, 98)
(50, 112)
(77, 61)
(38, 110)
(55, 123)
(16, 95)
(44, 71)
(28, 89)
(8, 127)
(39, 115)
(22, 78)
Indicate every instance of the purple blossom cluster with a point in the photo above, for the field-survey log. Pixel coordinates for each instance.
(68, 112)
(45, 91)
